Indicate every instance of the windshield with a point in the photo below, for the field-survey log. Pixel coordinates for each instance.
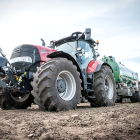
(68, 47)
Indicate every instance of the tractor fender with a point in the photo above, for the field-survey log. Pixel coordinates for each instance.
(64, 55)
(95, 66)
(69, 57)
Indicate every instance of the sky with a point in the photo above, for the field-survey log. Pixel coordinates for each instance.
(115, 23)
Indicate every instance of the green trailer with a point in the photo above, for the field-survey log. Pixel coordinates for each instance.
(127, 82)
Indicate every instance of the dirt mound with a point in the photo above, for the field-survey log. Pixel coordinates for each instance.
(121, 121)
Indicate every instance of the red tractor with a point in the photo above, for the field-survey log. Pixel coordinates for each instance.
(60, 75)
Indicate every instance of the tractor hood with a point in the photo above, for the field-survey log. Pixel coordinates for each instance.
(26, 55)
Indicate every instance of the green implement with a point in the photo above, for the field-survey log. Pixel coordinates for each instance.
(127, 84)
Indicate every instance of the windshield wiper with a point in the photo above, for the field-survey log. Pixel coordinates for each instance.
(68, 43)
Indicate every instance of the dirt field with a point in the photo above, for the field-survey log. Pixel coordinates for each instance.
(121, 121)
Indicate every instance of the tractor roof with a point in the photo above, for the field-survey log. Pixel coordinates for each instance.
(71, 38)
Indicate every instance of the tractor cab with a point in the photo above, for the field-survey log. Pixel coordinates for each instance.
(79, 45)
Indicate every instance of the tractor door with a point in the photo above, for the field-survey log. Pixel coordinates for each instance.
(87, 56)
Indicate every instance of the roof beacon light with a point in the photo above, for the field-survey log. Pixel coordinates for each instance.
(97, 42)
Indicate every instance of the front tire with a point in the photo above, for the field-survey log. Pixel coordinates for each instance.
(57, 85)
(104, 87)
(17, 101)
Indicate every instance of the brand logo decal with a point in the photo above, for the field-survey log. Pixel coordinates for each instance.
(43, 51)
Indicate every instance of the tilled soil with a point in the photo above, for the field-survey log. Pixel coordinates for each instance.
(121, 121)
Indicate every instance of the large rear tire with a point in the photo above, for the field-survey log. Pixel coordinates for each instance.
(104, 88)
(57, 85)
(136, 96)
(17, 101)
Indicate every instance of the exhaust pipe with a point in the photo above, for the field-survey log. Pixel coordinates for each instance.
(43, 42)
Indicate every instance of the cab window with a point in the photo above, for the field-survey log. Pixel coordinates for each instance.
(88, 56)
(68, 47)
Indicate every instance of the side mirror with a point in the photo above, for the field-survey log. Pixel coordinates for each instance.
(87, 33)
(79, 49)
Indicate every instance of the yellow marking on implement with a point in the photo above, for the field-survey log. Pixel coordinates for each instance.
(18, 78)
(24, 73)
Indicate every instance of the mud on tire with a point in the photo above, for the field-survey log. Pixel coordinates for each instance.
(10, 101)
(57, 85)
(104, 88)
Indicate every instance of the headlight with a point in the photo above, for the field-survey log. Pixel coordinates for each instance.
(21, 59)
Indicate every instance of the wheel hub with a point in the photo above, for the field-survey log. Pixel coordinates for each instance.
(19, 97)
(106, 86)
(66, 85)
(61, 85)
(109, 87)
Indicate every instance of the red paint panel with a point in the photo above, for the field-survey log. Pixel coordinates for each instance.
(44, 51)
(93, 65)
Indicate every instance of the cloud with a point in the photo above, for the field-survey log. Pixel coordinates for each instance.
(114, 23)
